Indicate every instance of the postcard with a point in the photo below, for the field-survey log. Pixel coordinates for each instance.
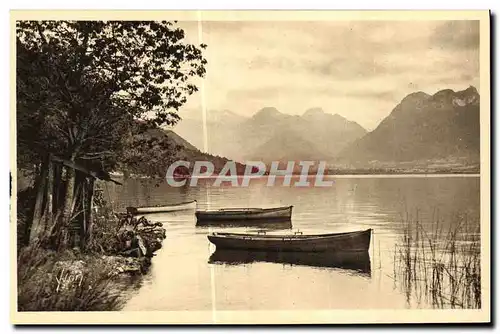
(250, 167)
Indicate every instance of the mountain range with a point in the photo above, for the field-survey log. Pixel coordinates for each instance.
(271, 135)
(421, 129)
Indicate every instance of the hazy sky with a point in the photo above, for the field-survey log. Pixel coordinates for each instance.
(359, 70)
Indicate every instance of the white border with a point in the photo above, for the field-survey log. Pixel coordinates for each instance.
(186, 4)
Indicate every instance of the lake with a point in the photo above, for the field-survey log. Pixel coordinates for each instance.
(185, 274)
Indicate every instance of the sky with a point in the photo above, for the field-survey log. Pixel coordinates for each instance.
(358, 69)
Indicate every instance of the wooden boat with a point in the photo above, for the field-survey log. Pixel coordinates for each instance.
(282, 213)
(191, 205)
(271, 224)
(358, 241)
(355, 261)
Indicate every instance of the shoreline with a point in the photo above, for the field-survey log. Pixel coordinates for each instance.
(326, 177)
(100, 277)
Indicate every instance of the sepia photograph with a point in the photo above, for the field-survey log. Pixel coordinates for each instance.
(256, 167)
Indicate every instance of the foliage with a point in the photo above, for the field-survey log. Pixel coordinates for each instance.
(81, 86)
(110, 233)
(81, 83)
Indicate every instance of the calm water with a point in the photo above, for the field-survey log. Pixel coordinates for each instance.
(187, 276)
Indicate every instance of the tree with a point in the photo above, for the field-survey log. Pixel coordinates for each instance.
(80, 84)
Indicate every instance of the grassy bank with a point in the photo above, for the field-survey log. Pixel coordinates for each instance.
(95, 279)
(439, 265)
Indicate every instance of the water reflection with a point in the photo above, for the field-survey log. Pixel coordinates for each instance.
(358, 262)
(181, 276)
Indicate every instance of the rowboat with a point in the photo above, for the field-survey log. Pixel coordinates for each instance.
(355, 261)
(282, 213)
(358, 241)
(271, 224)
(191, 205)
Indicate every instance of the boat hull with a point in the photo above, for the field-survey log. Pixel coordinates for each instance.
(270, 224)
(166, 208)
(339, 242)
(284, 213)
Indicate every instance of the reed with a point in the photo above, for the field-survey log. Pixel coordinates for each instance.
(439, 265)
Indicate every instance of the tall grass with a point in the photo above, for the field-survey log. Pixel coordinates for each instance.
(92, 279)
(439, 265)
(98, 288)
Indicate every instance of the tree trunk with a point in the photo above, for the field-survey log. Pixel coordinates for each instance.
(67, 206)
(89, 211)
(53, 210)
(36, 222)
(76, 205)
(83, 215)
(57, 186)
(49, 195)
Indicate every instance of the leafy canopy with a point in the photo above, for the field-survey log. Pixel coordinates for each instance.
(81, 83)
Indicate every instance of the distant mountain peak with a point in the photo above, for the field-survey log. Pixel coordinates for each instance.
(411, 102)
(318, 112)
(468, 96)
(314, 112)
(267, 113)
(442, 94)
(223, 116)
(448, 97)
(415, 97)
(268, 110)
(422, 128)
(471, 90)
(340, 117)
